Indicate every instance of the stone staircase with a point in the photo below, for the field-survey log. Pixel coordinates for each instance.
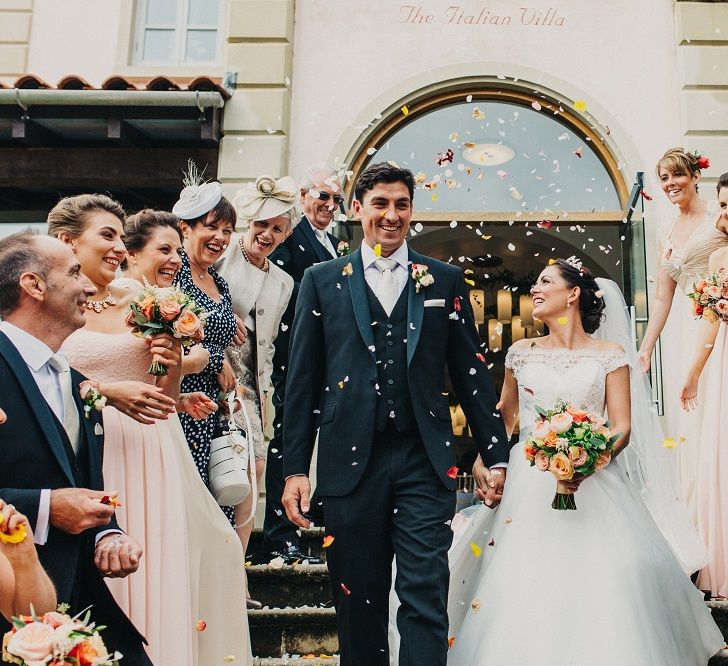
(297, 626)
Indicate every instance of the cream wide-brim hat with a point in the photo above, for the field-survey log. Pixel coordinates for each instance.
(266, 198)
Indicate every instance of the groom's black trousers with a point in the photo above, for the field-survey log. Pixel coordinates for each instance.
(400, 508)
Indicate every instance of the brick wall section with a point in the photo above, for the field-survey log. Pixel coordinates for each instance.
(15, 19)
(256, 119)
(702, 60)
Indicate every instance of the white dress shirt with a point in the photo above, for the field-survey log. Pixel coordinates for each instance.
(36, 355)
(400, 272)
(323, 238)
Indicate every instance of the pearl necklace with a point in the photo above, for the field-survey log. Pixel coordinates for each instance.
(265, 268)
(97, 306)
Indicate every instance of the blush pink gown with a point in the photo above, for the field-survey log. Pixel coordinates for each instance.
(192, 567)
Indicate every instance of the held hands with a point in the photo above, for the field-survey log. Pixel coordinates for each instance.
(117, 555)
(645, 356)
(296, 500)
(196, 360)
(11, 518)
(141, 401)
(74, 510)
(489, 482)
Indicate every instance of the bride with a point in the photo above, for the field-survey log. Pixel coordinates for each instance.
(599, 585)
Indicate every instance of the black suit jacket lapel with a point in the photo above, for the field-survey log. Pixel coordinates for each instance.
(88, 431)
(360, 301)
(415, 308)
(313, 242)
(40, 407)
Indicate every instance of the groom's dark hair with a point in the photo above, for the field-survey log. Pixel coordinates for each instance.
(383, 172)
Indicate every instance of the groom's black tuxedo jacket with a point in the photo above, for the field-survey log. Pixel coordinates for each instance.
(35, 453)
(332, 374)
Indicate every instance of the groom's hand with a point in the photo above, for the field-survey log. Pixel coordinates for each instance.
(296, 500)
(489, 482)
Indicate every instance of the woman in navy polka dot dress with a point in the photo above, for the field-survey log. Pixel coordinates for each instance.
(205, 240)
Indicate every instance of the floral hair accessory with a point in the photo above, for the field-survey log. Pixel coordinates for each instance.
(343, 248)
(574, 262)
(698, 161)
(421, 276)
(91, 396)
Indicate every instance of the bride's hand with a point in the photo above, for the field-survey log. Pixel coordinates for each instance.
(489, 483)
(574, 483)
(689, 393)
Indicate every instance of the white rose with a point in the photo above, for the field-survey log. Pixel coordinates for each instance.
(426, 280)
(100, 403)
(33, 643)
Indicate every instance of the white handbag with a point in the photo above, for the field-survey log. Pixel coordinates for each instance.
(231, 456)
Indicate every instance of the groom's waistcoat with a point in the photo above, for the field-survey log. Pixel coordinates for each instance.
(394, 403)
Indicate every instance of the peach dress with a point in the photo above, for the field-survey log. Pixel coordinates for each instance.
(192, 567)
(685, 266)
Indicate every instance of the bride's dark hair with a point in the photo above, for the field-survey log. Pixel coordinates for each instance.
(591, 303)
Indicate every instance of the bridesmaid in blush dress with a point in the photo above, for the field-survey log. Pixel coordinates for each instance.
(192, 565)
(712, 488)
(684, 252)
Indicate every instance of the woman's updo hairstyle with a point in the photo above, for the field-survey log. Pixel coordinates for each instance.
(591, 303)
(223, 211)
(70, 213)
(679, 161)
(139, 228)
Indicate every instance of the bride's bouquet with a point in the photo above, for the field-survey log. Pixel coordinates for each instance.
(166, 310)
(55, 639)
(567, 441)
(710, 296)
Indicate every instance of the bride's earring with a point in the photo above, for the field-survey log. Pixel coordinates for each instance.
(568, 303)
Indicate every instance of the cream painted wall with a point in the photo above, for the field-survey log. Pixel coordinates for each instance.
(353, 60)
(74, 37)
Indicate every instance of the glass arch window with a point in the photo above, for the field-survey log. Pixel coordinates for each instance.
(499, 155)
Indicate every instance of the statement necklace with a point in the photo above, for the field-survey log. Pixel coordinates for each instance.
(97, 306)
(265, 268)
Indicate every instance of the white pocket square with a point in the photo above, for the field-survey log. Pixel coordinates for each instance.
(435, 303)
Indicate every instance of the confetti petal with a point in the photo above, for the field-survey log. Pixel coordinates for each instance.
(345, 589)
(580, 105)
(669, 443)
(477, 550)
(201, 625)
(328, 540)
(405, 110)
(452, 472)
(378, 250)
(562, 320)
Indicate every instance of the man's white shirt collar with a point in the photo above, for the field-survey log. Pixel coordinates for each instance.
(317, 231)
(400, 255)
(34, 352)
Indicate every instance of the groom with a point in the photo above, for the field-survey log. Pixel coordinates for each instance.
(371, 341)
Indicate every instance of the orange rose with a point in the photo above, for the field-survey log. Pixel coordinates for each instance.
(603, 460)
(146, 307)
(561, 467)
(701, 285)
(530, 453)
(85, 653)
(130, 319)
(169, 309)
(188, 324)
(578, 415)
(550, 440)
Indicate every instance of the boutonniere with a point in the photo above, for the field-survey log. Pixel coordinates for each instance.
(421, 276)
(91, 397)
(343, 249)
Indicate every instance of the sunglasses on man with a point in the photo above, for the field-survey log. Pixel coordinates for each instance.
(325, 196)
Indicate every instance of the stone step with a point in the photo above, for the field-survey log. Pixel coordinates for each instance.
(719, 609)
(275, 632)
(720, 659)
(299, 585)
(311, 542)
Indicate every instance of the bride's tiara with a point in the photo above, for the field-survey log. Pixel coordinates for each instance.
(574, 262)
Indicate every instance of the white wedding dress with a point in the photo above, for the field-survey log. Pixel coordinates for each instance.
(532, 586)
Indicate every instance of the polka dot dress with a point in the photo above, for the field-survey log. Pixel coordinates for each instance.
(219, 332)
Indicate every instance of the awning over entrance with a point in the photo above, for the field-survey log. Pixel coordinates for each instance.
(129, 138)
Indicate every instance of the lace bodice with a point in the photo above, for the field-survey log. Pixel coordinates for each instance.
(546, 376)
(687, 265)
(108, 357)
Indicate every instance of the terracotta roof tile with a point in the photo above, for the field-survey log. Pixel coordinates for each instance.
(73, 82)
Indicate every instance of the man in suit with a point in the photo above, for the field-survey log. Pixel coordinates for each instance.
(309, 244)
(372, 338)
(50, 451)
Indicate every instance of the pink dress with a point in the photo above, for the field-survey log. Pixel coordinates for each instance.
(712, 495)
(192, 567)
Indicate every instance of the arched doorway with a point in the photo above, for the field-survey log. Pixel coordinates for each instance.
(507, 179)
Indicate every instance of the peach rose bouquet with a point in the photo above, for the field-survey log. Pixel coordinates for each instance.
(166, 310)
(710, 296)
(56, 639)
(567, 441)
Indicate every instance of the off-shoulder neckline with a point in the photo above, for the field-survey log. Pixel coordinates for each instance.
(566, 349)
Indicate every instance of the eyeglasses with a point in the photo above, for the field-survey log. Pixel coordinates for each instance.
(325, 196)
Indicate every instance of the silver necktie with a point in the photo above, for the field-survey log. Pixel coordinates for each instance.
(71, 421)
(387, 291)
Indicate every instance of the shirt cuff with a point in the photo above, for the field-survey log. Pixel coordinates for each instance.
(290, 476)
(42, 524)
(101, 535)
(503, 465)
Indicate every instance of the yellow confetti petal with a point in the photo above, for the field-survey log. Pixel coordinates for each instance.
(405, 110)
(470, 282)
(378, 249)
(434, 197)
(229, 658)
(477, 550)
(341, 385)
(580, 105)
(552, 262)
(669, 443)
(562, 320)
(475, 605)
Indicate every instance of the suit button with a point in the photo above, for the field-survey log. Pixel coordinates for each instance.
(391, 360)
(389, 325)
(390, 381)
(390, 343)
(261, 311)
(390, 402)
(261, 342)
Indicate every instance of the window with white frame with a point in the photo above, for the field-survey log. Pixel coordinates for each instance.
(178, 32)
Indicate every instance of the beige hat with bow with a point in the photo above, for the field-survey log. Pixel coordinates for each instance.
(266, 198)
